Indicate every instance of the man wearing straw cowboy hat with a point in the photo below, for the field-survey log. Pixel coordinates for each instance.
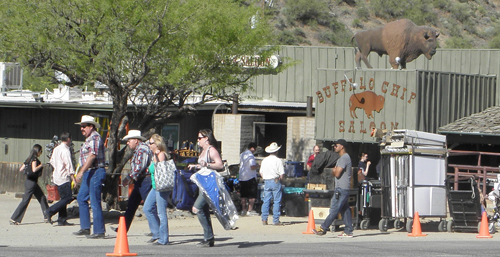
(272, 172)
(139, 173)
(91, 176)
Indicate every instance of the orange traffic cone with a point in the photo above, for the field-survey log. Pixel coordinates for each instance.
(484, 232)
(416, 230)
(121, 245)
(310, 224)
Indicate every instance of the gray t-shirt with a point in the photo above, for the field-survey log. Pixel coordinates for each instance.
(344, 182)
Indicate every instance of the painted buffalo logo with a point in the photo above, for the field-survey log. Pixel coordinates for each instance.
(368, 101)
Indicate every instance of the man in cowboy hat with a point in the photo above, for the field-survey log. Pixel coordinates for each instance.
(272, 172)
(92, 176)
(340, 200)
(139, 174)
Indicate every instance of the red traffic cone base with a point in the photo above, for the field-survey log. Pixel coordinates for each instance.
(310, 224)
(121, 245)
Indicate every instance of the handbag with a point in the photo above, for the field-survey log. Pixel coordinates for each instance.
(165, 175)
(28, 171)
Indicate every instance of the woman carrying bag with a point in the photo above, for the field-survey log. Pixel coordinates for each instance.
(32, 168)
(209, 158)
(159, 228)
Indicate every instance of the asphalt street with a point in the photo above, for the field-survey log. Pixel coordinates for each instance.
(36, 238)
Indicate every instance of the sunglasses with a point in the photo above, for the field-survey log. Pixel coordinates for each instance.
(150, 143)
(200, 138)
(84, 126)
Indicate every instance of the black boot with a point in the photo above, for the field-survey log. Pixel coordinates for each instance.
(207, 243)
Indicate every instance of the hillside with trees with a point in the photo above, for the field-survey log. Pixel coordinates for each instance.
(462, 24)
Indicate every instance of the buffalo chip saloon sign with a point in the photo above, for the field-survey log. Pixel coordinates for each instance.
(382, 99)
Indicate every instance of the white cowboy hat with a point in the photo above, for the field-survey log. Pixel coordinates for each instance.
(273, 147)
(134, 134)
(87, 119)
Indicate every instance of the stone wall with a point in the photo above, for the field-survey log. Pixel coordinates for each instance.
(234, 131)
(300, 138)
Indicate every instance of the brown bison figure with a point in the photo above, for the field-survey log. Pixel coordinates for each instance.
(368, 101)
(402, 40)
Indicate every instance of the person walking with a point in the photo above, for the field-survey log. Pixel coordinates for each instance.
(91, 175)
(272, 172)
(340, 199)
(31, 186)
(248, 180)
(157, 200)
(140, 176)
(210, 158)
(62, 176)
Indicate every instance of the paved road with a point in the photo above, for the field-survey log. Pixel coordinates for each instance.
(35, 238)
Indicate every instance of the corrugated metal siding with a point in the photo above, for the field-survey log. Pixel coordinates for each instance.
(300, 81)
(333, 115)
(422, 100)
(446, 97)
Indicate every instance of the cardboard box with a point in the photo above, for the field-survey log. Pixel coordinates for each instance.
(316, 186)
(320, 213)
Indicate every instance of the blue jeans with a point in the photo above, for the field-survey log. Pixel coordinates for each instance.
(161, 203)
(337, 206)
(91, 190)
(272, 190)
(149, 211)
(140, 192)
(158, 222)
(204, 216)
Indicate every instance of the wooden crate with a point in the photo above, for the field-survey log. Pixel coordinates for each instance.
(316, 186)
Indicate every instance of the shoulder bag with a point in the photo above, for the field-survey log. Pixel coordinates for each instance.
(165, 175)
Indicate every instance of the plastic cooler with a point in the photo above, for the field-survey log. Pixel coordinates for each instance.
(294, 202)
(294, 169)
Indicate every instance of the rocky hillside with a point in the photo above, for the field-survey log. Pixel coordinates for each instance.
(462, 23)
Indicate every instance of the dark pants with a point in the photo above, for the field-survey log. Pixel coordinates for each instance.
(204, 216)
(60, 207)
(140, 192)
(30, 188)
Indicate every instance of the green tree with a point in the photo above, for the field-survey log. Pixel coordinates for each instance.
(165, 50)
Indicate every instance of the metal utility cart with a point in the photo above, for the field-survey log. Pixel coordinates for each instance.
(369, 202)
(413, 177)
(465, 207)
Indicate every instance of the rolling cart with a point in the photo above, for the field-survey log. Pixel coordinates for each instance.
(369, 202)
(465, 207)
(413, 178)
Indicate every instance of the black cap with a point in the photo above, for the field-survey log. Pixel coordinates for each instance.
(341, 142)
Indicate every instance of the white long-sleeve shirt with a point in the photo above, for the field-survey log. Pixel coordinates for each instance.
(63, 167)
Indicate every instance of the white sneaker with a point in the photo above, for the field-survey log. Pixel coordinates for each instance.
(252, 213)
